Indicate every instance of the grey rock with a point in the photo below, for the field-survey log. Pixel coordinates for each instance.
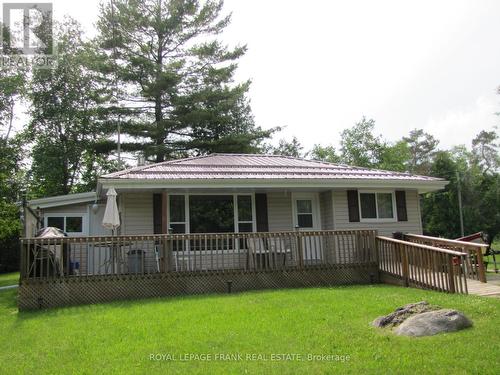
(402, 313)
(433, 322)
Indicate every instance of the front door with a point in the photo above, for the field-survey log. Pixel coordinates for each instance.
(306, 218)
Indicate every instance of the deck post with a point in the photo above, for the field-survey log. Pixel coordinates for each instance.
(300, 253)
(451, 274)
(404, 263)
(480, 265)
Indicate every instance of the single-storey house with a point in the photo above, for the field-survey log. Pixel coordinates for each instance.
(231, 193)
(226, 222)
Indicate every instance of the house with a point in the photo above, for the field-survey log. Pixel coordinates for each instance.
(222, 193)
(221, 213)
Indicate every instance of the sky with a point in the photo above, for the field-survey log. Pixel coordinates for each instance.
(319, 66)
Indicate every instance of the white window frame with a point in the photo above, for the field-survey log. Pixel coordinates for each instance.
(65, 215)
(314, 197)
(378, 220)
(235, 205)
(186, 212)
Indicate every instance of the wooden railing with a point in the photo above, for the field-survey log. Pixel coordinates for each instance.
(474, 251)
(423, 266)
(53, 258)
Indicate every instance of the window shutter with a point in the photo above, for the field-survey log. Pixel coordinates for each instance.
(157, 214)
(261, 212)
(401, 205)
(353, 205)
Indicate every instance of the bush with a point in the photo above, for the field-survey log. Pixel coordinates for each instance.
(10, 254)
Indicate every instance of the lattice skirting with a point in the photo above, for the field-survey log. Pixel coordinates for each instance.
(391, 279)
(88, 290)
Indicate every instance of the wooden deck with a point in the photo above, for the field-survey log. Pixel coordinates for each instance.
(489, 289)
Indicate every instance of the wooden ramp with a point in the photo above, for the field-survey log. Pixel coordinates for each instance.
(483, 289)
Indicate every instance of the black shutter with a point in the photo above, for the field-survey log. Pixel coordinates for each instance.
(401, 205)
(353, 205)
(261, 212)
(157, 216)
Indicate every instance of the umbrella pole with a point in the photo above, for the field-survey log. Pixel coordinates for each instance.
(113, 252)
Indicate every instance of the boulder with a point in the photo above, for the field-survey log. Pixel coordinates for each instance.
(402, 313)
(433, 322)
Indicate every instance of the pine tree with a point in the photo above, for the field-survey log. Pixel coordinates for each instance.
(174, 80)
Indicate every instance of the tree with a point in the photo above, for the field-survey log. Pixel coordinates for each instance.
(395, 157)
(485, 149)
(440, 215)
(480, 196)
(12, 84)
(422, 148)
(174, 80)
(68, 124)
(286, 148)
(325, 153)
(12, 90)
(359, 146)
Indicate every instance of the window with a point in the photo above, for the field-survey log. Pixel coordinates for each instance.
(74, 224)
(376, 206)
(177, 205)
(211, 213)
(304, 213)
(245, 214)
(70, 224)
(56, 221)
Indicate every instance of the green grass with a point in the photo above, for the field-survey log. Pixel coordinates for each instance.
(9, 279)
(119, 337)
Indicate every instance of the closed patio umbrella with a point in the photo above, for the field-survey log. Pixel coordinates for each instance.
(111, 220)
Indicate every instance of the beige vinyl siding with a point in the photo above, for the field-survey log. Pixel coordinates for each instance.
(279, 211)
(413, 225)
(137, 218)
(137, 213)
(326, 210)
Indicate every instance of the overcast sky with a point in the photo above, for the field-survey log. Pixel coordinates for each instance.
(318, 66)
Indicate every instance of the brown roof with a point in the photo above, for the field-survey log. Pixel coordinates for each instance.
(253, 166)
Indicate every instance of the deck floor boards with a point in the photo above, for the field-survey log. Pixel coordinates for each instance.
(489, 289)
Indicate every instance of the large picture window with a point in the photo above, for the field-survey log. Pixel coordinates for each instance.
(211, 213)
(207, 213)
(377, 206)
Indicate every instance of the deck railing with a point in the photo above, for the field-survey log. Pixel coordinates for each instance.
(423, 266)
(474, 251)
(54, 258)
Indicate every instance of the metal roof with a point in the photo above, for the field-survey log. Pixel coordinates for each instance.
(62, 200)
(255, 167)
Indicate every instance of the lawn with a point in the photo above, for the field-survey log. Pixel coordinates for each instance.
(9, 279)
(259, 326)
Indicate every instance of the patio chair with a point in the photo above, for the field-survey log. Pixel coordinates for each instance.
(267, 253)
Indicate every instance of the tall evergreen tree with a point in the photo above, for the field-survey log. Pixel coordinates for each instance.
(422, 148)
(175, 80)
(486, 150)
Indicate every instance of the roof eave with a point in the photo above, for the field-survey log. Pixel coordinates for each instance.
(420, 186)
(62, 200)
